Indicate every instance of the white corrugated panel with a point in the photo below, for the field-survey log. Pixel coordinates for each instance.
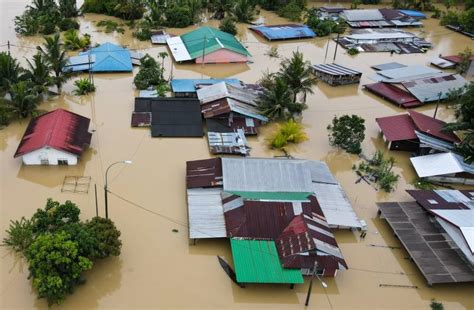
(362, 15)
(178, 49)
(224, 90)
(206, 214)
(408, 72)
(435, 87)
(459, 238)
(436, 165)
(320, 172)
(442, 63)
(336, 206)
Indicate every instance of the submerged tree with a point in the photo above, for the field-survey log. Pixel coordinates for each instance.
(38, 72)
(10, 72)
(72, 40)
(347, 133)
(150, 73)
(244, 11)
(277, 103)
(228, 25)
(68, 8)
(288, 132)
(297, 74)
(23, 99)
(56, 56)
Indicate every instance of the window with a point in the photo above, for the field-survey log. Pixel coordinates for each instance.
(432, 201)
(62, 162)
(44, 161)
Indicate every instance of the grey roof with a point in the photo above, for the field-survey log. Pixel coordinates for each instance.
(266, 175)
(433, 251)
(147, 93)
(434, 143)
(362, 15)
(228, 142)
(407, 73)
(246, 109)
(205, 213)
(442, 63)
(434, 88)
(440, 164)
(388, 66)
(320, 172)
(335, 69)
(224, 90)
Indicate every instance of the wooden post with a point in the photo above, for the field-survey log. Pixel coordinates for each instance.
(335, 51)
(96, 204)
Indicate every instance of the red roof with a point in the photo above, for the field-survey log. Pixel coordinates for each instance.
(431, 126)
(455, 58)
(204, 173)
(397, 127)
(430, 199)
(393, 94)
(59, 129)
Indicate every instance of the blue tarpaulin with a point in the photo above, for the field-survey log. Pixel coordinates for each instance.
(190, 85)
(413, 13)
(284, 32)
(110, 58)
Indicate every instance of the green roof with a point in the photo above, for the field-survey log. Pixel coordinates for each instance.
(257, 261)
(288, 196)
(215, 40)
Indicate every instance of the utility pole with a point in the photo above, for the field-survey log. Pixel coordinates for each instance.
(308, 295)
(96, 204)
(203, 50)
(437, 104)
(335, 51)
(8, 44)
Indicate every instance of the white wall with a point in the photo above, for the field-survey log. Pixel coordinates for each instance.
(52, 155)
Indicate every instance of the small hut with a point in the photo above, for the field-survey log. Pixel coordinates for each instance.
(336, 75)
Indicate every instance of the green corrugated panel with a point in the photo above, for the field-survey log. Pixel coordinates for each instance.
(291, 196)
(257, 261)
(195, 45)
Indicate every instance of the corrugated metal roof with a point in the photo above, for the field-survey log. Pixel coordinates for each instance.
(204, 173)
(442, 63)
(393, 94)
(362, 15)
(320, 172)
(110, 58)
(443, 199)
(79, 63)
(432, 126)
(266, 175)
(159, 37)
(147, 93)
(228, 143)
(205, 213)
(226, 105)
(379, 35)
(434, 88)
(59, 129)
(247, 124)
(141, 119)
(440, 164)
(335, 69)
(192, 85)
(284, 32)
(224, 90)
(257, 261)
(413, 13)
(408, 73)
(434, 143)
(273, 196)
(397, 127)
(459, 237)
(178, 49)
(388, 66)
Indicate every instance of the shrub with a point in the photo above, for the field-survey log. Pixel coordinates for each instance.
(347, 132)
(292, 11)
(324, 27)
(19, 235)
(107, 236)
(450, 18)
(273, 52)
(83, 87)
(228, 25)
(353, 51)
(150, 73)
(67, 24)
(72, 40)
(178, 16)
(5, 115)
(379, 170)
(289, 132)
(143, 32)
(110, 26)
(54, 216)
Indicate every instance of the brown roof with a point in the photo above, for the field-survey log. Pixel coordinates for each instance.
(204, 173)
(430, 199)
(432, 126)
(393, 94)
(397, 127)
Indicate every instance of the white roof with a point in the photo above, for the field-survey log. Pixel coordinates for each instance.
(436, 87)
(407, 73)
(380, 35)
(362, 15)
(463, 220)
(206, 214)
(440, 164)
(224, 90)
(178, 49)
(442, 63)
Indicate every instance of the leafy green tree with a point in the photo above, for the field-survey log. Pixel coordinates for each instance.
(277, 103)
(5, 113)
(324, 27)
(55, 54)
(464, 123)
(23, 99)
(19, 235)
(228, 25)
(434, 305)
(150, 73)
(68, 8)
(244, 11)
(347, 132)
(466, 20)
(220, 8)
(38, 72)
(107, 236)
(179, 16)
(293, 10)
(297, 74)
(55, 266)
(55, 216)
(83, 87)
(10, 72)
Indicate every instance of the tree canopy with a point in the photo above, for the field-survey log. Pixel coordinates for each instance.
(347, 133)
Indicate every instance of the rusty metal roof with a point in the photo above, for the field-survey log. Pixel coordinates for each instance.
(444, 199)
(204, 173)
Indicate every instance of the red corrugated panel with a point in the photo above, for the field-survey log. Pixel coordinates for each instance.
(215, 108)
(393, 94)
(426, 197)
(397, 128)
(431, 126)
(60, 129)
(204, 173)
(455, 58)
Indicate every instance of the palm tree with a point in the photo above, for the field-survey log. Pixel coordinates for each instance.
(276, 101)
(23, 99)
(220, 7)
(68, 8)
(38, 72)
(57, 59)
(244, 11)
(10, 71)
(297, 74)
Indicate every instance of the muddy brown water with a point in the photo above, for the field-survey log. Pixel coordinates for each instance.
(157, 267)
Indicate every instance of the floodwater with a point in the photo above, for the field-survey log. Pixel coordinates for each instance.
(158, 268)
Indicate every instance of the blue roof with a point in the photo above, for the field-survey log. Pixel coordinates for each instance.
(110, 58)
(189, 85)
(284, 32)
(413, 13)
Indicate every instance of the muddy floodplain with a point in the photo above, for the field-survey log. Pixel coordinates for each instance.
(158, 268)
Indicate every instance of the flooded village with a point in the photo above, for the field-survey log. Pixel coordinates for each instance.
(209, 214)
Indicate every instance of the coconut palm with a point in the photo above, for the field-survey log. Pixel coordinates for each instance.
(72, 40)
(68, 8)
(38, 72)
(220, 7)
(23, 99)
(244, 11)
(276, 102)
(297, 74)
(54, 53)
(10, 71)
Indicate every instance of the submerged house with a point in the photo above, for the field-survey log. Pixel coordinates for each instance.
(452, 61)
(228, 143)
(378, 18)
(207, 45)
(160, 37)
(415, 132)
(106, 57)
(188, 87)
(444, 168)
(58, 137)
(336, 75)
(291, 204)
(436, 231)
(283, 32)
